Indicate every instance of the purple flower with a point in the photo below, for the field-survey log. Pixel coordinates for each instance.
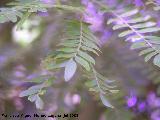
(151, 99)
(158, 1)
(131, 100)
(142, 106)
(105, 36)
(93, 17)
(157, 102)
(155, 115)
(138, 3)
(44, 14)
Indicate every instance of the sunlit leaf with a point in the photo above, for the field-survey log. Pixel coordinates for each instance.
(70, 69)
(105, 101)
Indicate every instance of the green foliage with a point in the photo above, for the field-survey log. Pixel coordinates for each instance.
(33, 93)
(102, 86)
(77, 48)
(19, 8)
(30, 5)
(24, 8)
(9, 14)
(74, 51)
(138, 29)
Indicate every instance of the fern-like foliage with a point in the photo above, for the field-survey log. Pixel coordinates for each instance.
(138, 29)
(24, 8)
(155, 3)
(75, 50)
(30, 5)
(101, 85)
(19, 8)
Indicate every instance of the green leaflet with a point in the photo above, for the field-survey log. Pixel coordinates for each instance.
(156, 60)
(83, 62)
(123, 34)
(152, 37)
(140, 19)
(87, 36)
(119, 26)
(28, 92)
(39, 103)
(135, 37)
(70, 69)
(85, 48)
(149, 56)
(105, 101)
(32, 90)
(70, 43)
(104, 78)
(138, 45)
(67, 50)
(86, 56)
(148, 50)
(62, 55)
(91, 45)
(146, 30)
(33, 97)
(130, 13)
(144, 25)
(155, 41)
(111, 21)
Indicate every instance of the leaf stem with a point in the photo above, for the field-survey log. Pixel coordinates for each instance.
(80, 38)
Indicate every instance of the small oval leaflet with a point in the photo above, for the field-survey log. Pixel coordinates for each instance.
(70, 69)
(156, 60)
(105, 101)
(39, 103)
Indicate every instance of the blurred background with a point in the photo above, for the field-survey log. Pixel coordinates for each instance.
(21, 53)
